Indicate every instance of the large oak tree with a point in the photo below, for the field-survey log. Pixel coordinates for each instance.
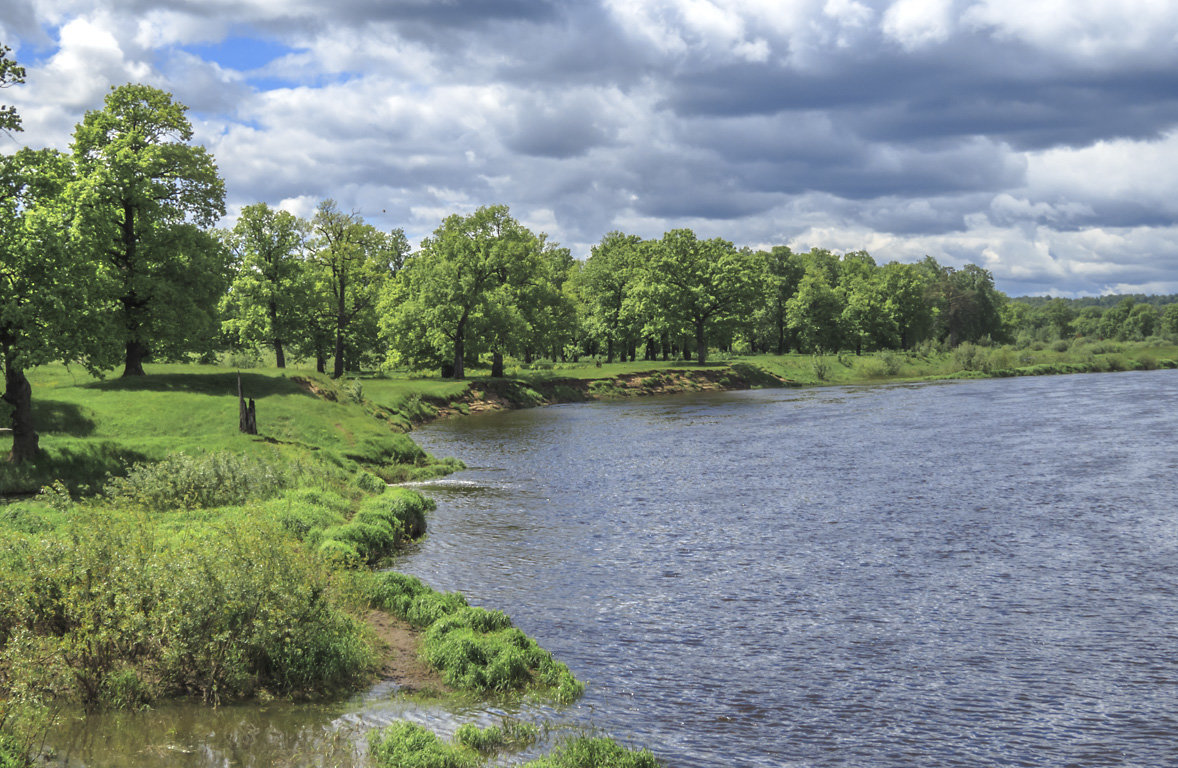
(147, 197)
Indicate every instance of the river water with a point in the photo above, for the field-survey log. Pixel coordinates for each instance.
(956, 574)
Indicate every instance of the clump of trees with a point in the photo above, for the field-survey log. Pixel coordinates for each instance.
(1118, 318)
(108, 256)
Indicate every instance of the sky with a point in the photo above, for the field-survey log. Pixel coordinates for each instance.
(1035, 138)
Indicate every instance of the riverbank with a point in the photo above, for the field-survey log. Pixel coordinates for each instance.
(154, 553)
(421, 400)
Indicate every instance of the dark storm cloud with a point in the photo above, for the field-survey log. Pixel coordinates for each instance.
(813, 120)
(976, 87)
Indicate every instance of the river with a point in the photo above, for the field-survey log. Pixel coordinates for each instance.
(956, 574)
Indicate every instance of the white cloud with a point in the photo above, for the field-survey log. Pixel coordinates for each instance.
(919, 23)
(1093, 30)
(1121, 171)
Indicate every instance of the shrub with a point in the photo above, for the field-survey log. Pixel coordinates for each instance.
(192, 482)
(968, 357)
(121, 616)
(244, 610)
(820, 367)
(368, 482)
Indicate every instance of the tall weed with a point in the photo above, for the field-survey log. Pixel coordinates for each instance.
(187, 482)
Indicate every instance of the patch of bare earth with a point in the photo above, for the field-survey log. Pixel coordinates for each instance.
(399, 649)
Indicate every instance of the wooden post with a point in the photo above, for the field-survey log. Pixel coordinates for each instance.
(247, 419)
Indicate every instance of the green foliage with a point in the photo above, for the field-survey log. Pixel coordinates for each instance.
(147, 197)
(379, 524)
(468, 290)
(123, 613)
(11, 73)
(699, 286)
(514, 734)
(350, 262)
(474, 649)
(595, 752)
(820, 366)
(269, 300)
(408, 745)
(193, 482)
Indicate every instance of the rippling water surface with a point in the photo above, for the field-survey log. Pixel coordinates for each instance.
(959, 574)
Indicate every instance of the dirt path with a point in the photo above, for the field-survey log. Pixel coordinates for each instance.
(400, 646)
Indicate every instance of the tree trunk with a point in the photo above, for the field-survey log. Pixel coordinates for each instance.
(280, 358)
(320, 360)
(19, 394)
(609, 354)
(133, 362)
(337, 369)
(497, 365)
(701, 344)
(460, 350)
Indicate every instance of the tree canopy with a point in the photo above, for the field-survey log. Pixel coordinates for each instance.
(146, 197)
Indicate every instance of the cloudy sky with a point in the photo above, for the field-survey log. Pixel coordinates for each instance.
(1037, 138)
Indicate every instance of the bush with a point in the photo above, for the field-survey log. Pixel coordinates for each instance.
(123, 616)
(193, 482)
(820, 367)
(968, 357)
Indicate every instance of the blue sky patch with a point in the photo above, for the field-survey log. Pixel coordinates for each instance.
(241, 53)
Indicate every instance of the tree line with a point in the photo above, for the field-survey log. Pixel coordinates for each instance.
(109, 256)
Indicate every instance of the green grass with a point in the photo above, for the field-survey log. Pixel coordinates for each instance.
(474, 649)
(90, 427)
(408, 745)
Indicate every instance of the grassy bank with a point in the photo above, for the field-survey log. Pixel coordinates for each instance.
(156, 552)
(420, 398)
(91, 428)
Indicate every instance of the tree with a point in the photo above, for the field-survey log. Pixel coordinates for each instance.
(268, 298)
(814, 312)
(51, 308)
(11, 73)
(608, 279)
(353, 260)
(703, 282)
(1058, 313)
(458, 288)
(781, 272)
(147, 198)
(968, 306)
(1141, 323)
(905, 287)
(1168, 320)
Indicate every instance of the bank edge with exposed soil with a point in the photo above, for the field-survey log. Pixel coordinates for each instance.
(510, 394)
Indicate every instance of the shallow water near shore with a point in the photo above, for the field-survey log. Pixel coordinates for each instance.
(955, 574)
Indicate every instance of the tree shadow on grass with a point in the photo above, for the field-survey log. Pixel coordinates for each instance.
(83, 468)
(65, 418)
(253, 385)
